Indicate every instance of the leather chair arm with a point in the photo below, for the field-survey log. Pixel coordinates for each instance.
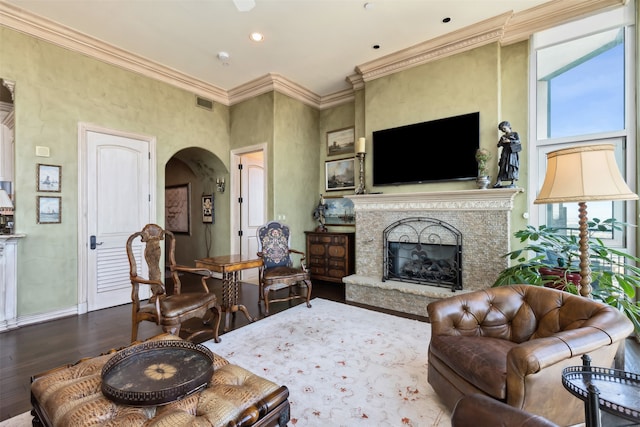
(482, 411)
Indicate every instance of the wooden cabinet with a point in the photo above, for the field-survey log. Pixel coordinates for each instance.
(330, 256)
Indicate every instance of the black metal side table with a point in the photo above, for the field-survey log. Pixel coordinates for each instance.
(614, 391)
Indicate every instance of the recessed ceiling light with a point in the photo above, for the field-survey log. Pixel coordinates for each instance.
(376, 46)
(256, 37)
(369, 6)
(446, 20)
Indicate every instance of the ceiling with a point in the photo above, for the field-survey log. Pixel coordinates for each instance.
(316, 44)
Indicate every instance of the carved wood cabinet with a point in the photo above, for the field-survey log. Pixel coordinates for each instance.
(330, 256)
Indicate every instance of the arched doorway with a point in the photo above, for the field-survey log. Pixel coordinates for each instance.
(194, 171)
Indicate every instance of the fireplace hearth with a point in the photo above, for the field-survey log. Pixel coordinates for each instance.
(424, 251)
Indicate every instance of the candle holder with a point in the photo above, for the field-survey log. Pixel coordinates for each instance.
(360, 189)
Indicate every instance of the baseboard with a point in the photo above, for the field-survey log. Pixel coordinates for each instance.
(44, 317)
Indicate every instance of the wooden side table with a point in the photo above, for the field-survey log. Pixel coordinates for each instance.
(230, 266)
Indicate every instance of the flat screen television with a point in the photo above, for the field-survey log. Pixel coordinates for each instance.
(437, 150)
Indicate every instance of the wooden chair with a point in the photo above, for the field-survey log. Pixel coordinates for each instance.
(277, 271)
(169, 311)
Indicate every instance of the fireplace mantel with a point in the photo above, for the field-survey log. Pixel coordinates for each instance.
(469, 200)
(482, 216)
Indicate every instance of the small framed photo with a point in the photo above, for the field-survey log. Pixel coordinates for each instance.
(207, 209)
(49, 178)
(340, 174)
(339, 211)
(49, 209)
(341, 141)
(177, 208)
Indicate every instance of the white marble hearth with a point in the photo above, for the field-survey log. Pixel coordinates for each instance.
(482, 216)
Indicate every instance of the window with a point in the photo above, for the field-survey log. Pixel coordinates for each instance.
(583, 92)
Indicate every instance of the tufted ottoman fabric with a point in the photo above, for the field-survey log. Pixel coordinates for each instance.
(71, 396)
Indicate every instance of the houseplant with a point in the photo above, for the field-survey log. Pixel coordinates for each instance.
(550, 258)
(482, 157)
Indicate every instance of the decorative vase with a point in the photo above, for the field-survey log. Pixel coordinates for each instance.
(483, 182)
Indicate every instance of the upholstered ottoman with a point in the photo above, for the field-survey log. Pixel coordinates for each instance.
(71, 396)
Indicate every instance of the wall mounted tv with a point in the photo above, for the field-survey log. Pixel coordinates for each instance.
(437, 150)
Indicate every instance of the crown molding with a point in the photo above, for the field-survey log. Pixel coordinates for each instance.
(36, 26)
(273, 82)
(506, 29)
(523, 24)
(338, 98)
(485, 32)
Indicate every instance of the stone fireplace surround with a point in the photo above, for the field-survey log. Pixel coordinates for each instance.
(482, 216)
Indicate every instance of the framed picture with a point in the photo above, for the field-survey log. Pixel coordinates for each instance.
(340, 174)
(49, 209)
(49, 177)
(177, 208)
(341, 141)
(339, 211)
(207, 209)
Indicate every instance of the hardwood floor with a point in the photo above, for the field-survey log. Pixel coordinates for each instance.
(36, 348)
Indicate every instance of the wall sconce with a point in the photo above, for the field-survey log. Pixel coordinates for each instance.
(220, 184)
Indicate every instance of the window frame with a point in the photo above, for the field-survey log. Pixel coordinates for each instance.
(624, 139)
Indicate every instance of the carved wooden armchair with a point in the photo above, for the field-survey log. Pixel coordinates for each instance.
(277, 271)
(169, 311)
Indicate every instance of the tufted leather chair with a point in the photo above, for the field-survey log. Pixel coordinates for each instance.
(478, 410)
(511, 343)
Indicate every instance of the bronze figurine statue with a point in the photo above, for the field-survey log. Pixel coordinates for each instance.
(509, 163)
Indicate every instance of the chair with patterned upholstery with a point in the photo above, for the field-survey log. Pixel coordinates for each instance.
(277, 271)
(169, 311)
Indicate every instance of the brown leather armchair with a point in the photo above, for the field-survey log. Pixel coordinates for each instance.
(511, 343)
(478, 410)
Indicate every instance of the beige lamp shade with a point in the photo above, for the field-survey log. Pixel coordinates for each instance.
(5, 201)
(582, 174)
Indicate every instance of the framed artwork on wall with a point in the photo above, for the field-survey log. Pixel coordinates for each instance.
(49, 209)
(340, 174)
(207, 209)
(339, 211)
(48, 178)
(341, 141)
(177, 208)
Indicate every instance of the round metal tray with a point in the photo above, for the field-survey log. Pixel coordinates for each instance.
(619, 391)
(156, 372)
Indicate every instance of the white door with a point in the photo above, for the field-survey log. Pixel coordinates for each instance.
(252, 206)
(119, 201)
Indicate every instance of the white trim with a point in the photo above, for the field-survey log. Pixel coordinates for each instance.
(45, 317)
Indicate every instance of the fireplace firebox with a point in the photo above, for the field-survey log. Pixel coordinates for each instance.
(423, 251)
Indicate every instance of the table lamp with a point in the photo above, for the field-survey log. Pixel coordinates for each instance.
(583, 174)
(6, 210)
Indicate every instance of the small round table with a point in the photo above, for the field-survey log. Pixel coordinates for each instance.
(612, 390)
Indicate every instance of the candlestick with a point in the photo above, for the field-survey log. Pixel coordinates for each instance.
(361, 189)
(360, 146)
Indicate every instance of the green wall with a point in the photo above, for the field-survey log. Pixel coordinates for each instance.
(55, 90)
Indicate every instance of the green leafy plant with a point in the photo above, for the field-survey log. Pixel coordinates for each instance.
(482, 157)
(550, 258)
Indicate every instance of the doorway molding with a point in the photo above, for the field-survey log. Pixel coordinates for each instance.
(235, 156)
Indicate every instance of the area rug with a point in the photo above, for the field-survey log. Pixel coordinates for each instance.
(343, 365)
